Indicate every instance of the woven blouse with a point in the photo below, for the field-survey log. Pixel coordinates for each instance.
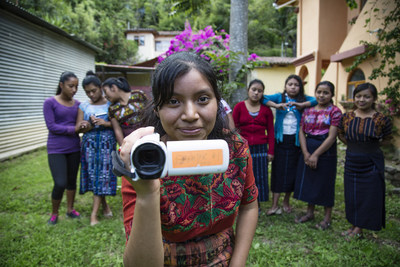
(200, 205)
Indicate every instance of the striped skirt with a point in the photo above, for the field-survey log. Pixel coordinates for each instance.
(284, 165)
(213, 250)
(364, 190)
(317, 186)
(96, 165)
(260, 168)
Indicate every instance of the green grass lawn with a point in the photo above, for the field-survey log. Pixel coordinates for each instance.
(26, 239)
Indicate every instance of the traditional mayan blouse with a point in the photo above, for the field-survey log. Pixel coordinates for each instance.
(356, 129)
(129, 116)
(200, 205)
(318, 122)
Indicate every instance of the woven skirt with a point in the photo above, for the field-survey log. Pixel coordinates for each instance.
(213, 250)
(260, 169)
(284, 165)
(96, 165)
(364, 190)
(317, 186)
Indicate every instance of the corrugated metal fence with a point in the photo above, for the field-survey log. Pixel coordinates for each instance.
(31, 61)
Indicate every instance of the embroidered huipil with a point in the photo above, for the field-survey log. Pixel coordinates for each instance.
(200, 205)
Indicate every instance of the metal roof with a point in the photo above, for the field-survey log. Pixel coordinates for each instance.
(20, 12)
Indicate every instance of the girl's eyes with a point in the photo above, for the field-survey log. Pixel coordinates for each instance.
(201, 100)
(204, 99)
(173, 101)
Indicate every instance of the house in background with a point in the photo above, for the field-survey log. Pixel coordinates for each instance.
(328, 40)
(274, 74)
(33, 54)
(151, 43)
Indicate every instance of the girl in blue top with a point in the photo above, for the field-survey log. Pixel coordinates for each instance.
(289, 106)
(97, 144)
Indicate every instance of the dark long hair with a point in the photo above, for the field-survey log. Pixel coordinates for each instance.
(300, 96)
(91, 78)
(163, 80)
(65, 76)
(330, 85)
(367, 86)
(120, 82)
(256, 81)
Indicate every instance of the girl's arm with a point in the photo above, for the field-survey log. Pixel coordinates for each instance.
(81, 125)
(100, 121)
(303, 145)
(313, 160)
(270, 135)
(117, 130)
(52, 126)
(144, 246)
(245, 228)
(310, 102)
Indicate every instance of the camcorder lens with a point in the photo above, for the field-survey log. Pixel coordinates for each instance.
(149, 160)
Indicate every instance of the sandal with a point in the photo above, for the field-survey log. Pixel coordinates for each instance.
(348, 231)
(287, 209)
(305, 218)
(354, 236)
(323, 225)
(274, 211)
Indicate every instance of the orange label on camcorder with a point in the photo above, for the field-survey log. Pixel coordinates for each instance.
(197, 158)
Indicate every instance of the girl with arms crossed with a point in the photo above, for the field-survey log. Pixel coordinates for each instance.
(289, 106)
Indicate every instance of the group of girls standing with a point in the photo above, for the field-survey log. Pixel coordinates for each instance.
(304, 158)
(66, 117)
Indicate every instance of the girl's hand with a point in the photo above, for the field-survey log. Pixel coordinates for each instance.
(313, 161)
(282, 106)
(83, 127)
(306, 157)
(270, 157)
(97, 121)
(299, 106)
(142, 187)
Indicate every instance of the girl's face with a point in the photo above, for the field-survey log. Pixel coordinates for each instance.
(292, 88)
(323, 95)
(93, 92)
(111, 93)
(255, 92)
(192, 111)
(69, 87)
(364, 100)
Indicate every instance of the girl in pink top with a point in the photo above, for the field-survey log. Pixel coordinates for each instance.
(316, 172)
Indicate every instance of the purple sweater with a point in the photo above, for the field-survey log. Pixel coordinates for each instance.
(60, 121)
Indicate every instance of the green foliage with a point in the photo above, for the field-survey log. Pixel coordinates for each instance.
(103, 23)
(387, 47)
(27, 240)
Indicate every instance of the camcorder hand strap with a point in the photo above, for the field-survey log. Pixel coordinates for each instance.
(119, 166)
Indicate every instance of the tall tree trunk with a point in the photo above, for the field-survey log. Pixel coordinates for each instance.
(238, 43)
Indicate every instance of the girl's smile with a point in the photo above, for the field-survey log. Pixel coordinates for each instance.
(190, 114)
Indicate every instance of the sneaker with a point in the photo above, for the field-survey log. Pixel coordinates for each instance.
(73, 214)
(53, 220)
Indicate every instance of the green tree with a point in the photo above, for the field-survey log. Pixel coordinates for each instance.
(387, 47)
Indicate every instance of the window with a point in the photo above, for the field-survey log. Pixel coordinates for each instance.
(139, 40)
(356, 78)
(162, 46)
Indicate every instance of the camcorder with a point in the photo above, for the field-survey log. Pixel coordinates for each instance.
(152, 159)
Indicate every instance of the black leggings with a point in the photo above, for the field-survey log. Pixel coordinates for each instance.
(64, 169)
